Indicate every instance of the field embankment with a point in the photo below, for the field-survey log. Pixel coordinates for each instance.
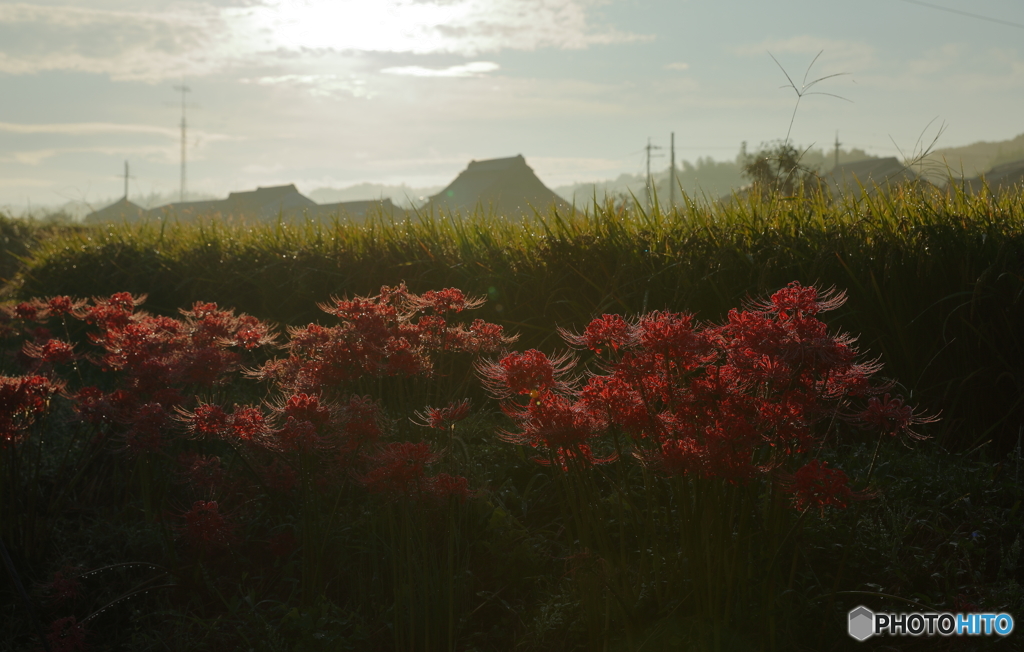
(935, 281)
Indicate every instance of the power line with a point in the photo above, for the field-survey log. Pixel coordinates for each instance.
(998, 21)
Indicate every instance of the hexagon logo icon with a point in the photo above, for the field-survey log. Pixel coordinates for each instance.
(862, 623)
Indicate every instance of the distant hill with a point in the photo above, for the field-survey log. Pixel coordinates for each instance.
(705, 179)
(973, 159)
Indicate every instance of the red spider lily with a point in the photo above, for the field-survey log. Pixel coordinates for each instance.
(613, 399)
(306, 407)
(204, 473)
(447, 300)
(444, 486)
(53, 351)
(360, 426)
(251, 333)
(205, 421)
(113, 312)
(63, 305)
(446, 417)
(530, 372)
(608, 330)
(581, 455)
(64, 586)
(26, 311)
(816, 485)
(556, 426)
(731, 401)
(377, 337)
(67, 635)
(97, 408)
(298, 435)
(206, 528)
(247, 424)
(279, 476)
(892, 416)
(22, 400)
(485, 337)
(399, 469)
(147, 430)
(673, 336)
(797, 301)
(155, 352)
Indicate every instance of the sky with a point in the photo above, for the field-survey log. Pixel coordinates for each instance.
(331, 93)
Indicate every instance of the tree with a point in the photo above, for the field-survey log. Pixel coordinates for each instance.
(776, 169)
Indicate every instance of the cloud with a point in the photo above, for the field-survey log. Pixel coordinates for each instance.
(836, 55)
(679, 65)
(123, 44)
(474, 69)
(150, 43)
(324, 85)
(86, 129)
(938, 59)
(36, 157)
(466, 27)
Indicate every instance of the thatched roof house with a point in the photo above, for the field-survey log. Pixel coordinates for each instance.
(120, 211)
(260, 205)
(501, 186)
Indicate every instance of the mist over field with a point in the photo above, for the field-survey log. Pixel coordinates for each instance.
(393, 99)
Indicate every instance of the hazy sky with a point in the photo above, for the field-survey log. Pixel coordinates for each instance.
(337, 92)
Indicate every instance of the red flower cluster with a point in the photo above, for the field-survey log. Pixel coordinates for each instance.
(390, 334)
(64, 586)
(446, 417)
(23, 399)
(816, 485)
(245, 424)
(892, 416)
(733, 401)
(398, 470)
(206, 528)
(155, 351)
(530, 372)
(67, 635)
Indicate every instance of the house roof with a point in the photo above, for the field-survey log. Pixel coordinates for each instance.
(503, 186)
(120, 211)
(1002, 177)
(262, 204)
(871, 174)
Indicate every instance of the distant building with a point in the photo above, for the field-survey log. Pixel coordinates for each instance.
(260, 205)
(120, 211)
(500, 186)
(1001, 178)
(872, 175)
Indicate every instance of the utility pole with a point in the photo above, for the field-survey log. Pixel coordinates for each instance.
(650, 190)
(837, 148)
(182, 89)
(672, 173)
(126, 180)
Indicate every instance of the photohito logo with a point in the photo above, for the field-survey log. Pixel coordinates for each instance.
(865, 623)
